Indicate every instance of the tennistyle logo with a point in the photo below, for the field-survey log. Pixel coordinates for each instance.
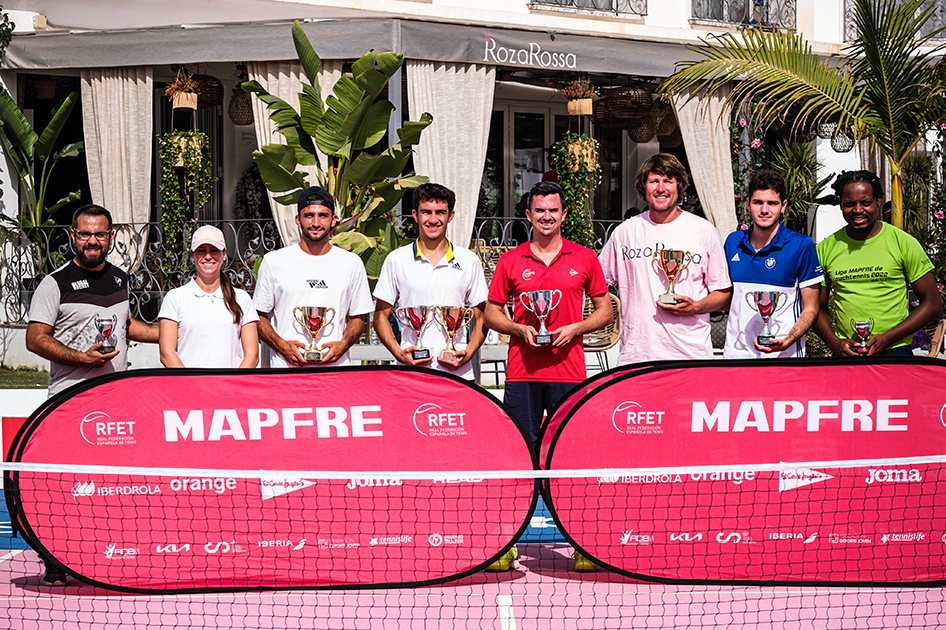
(98, 429)
(630, 417)
(431, 420)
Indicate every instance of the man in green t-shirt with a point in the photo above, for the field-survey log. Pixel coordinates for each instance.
(868, 265)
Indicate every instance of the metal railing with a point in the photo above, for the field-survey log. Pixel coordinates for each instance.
(154, 265)
(617, 7)
(937, 21)
(764, 13)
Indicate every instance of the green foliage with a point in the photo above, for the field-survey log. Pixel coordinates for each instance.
(184, 189)
(890, 86)
(798, 164)
(345, 126)
(747, 154)
(575, 160)
(30, 151)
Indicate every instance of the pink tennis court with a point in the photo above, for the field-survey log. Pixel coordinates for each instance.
(545, 593)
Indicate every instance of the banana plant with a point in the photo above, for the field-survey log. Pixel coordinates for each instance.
(34, 158)
(890, 87)
(344, 127)
(32, 155)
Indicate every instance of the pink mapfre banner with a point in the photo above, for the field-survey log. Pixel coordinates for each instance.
(876, 518)
(275, 530)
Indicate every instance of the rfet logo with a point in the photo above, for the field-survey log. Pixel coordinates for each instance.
(98, 429)
(631, 417)
(431, 420)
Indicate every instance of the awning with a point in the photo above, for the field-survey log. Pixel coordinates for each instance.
(346, 39)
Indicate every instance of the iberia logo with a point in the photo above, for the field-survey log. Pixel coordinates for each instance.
(432, 421)
(631, 417)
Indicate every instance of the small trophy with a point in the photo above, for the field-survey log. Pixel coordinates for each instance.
(105, 326)
(541, 304)
(313, 319)
(862, 329)
(672, 262)
(451, 319)
(767, 303)
(415, 317)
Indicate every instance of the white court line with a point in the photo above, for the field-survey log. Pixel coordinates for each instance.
(11, 554)
(507, 618)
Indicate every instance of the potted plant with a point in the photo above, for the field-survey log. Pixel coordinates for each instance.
(187, 181)
(183, 91)
(575, 160)
(578, 91)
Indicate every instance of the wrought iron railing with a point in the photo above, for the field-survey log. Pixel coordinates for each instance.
(764, 13)
(618, 7)
(937, 21)
(154, 266)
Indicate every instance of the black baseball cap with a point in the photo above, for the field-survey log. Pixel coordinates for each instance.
(315, 196)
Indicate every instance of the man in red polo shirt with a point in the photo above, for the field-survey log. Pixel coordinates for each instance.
(538, 376)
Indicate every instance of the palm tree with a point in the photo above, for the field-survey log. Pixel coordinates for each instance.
(889, 86)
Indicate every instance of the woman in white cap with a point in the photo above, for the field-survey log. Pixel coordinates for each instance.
(208, 322)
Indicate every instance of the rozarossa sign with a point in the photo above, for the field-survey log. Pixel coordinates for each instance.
(278, 529)
(877, 518)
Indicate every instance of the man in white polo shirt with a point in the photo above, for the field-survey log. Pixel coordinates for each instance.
(312, 273)
(432, 272)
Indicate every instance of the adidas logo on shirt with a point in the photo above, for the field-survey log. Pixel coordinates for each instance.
(455, 265)
(317, 284)
(735, 258)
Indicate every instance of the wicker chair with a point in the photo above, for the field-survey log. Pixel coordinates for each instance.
(603, 339)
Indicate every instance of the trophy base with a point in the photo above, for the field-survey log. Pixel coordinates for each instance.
(765, 340)
(448, 355)
(860, 350)
(423, 353)
(667, 298)
(543, 340)
(313, 356)
(106, 349)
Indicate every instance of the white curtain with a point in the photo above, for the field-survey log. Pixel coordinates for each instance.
(704, 124)
(452, 149)
(117, 112)
(283, 79)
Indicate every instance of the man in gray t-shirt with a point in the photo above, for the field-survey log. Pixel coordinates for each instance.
(80, 320)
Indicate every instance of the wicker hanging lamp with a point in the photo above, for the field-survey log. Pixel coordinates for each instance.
(844, 141)
(671, 140)
(665, 116)
(211, 91)
(645, 131)
(240, 110)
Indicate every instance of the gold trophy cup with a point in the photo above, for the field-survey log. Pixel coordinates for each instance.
(672, 262)
(313, 319)
(451, 319)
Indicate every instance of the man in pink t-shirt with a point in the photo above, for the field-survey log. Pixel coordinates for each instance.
(650, 329)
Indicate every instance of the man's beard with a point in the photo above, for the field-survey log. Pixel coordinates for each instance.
(88, 259)
(316, 239)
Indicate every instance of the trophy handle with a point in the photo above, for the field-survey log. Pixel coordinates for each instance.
(329, 316)
(783, 302)
(114, 321)
(300, 319)
(526, 304)
(750, 299)
(438, 318)
(467, 318)
(852, 323)
(554, 301)
(687, 259)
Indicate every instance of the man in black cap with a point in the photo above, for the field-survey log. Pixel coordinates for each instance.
(312, 273)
